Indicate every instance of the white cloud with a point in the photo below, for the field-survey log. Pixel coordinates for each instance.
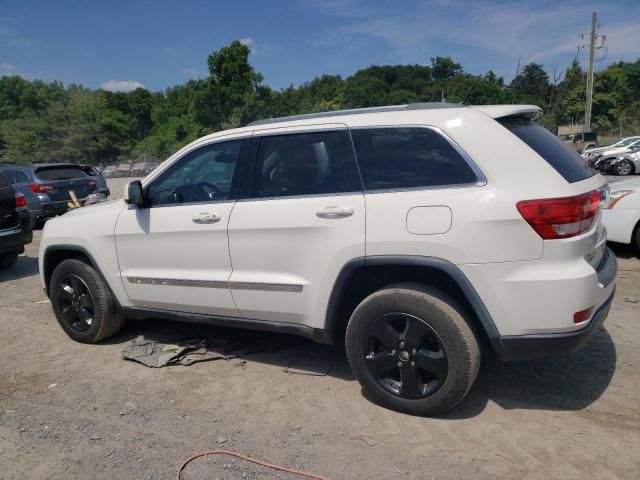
(416, 31)
(121, 85)
(8, 69)
(248, 41)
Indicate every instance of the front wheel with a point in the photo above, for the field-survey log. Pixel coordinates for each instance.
(412, 350)
(624, 167)
(82, 303)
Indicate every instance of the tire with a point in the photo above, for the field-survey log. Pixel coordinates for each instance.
(439, 347)
(8, 260)
(82, 303)
(636, 238)
(624, 167)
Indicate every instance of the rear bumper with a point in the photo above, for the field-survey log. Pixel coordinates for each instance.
(13, 240)
(523, 347)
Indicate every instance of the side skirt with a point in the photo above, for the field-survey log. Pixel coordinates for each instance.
(315, 334)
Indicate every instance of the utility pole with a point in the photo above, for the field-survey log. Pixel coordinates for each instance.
(592, 42)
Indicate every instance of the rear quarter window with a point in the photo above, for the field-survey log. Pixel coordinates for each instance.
(563, 159)
(4, 183)
(409, 157)
(59, 173)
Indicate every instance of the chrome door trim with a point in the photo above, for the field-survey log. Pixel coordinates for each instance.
(177, 282)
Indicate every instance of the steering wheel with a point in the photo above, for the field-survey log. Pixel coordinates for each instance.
(199, 189)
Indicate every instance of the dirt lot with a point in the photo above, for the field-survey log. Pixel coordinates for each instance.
(78, 411)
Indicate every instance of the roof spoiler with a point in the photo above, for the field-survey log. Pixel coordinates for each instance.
(500, 111)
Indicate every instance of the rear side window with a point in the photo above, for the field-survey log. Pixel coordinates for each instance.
(59, 173)
(562, 158)
(4, 183)
(304, 164)
(392, 158)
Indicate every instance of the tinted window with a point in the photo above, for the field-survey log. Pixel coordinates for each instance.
(303, 164)
(65, 172)
(408, 158)
(200, 176)
(19, 177)
(4, 183)
(563, 159)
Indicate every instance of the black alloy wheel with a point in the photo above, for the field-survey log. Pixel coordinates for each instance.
(406, 356)
(75, 303)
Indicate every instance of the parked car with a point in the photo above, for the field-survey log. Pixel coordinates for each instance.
(50, 183)
(101, 183)
(23, 179)
(594, 154)
(406, 232)
(622, 164)
(581, 141)
(621, 214)
(15, 223)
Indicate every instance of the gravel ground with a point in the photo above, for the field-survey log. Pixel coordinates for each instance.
(73, 411)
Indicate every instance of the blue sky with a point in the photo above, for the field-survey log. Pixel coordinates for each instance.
(119, 45)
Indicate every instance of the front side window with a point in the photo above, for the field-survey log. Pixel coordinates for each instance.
(393, 158)
(202, 175)
(303, 164)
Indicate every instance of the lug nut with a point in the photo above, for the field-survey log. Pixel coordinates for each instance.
(399, 364)
(413, 364)
(413, 351)
(393, 352)
(401, 344)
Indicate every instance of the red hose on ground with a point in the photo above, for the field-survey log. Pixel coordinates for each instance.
(248, 459)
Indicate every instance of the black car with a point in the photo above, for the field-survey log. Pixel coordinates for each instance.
(16, 229)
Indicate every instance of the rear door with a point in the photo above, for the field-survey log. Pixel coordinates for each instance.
(64, 178)
(8, 216)
(305, 220)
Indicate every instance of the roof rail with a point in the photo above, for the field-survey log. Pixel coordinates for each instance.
(356, 111)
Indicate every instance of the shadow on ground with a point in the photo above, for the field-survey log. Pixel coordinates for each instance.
(24, 267)
(566, 383)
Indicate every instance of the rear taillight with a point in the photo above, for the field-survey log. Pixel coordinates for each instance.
(92, 184)
(554, 218)
(41, 188)
(21, 201)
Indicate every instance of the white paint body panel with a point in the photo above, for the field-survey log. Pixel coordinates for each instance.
(622, 219)
(528, 285)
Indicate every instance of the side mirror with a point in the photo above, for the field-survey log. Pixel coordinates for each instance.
(133, 193)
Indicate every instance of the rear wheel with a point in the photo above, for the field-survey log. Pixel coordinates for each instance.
(625, 167)
(8, 260)
(411, 349)
(82, 303)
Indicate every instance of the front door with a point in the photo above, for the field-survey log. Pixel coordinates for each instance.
(173, 254)
(305, 219)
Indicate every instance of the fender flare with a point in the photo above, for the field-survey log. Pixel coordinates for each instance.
(342, 280)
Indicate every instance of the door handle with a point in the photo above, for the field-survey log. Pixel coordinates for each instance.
(335, 212)
(206, 217)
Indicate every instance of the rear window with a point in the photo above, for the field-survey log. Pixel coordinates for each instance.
(562, 158)
(395, 158)
(59, 173)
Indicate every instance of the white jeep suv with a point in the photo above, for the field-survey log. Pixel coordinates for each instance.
(412, 233)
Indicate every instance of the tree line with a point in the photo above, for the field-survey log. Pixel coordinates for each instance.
(42, 121)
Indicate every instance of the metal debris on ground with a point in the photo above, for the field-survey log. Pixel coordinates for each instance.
(156, 353)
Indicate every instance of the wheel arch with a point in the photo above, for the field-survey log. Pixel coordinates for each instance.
(56, 254)
(362, 276)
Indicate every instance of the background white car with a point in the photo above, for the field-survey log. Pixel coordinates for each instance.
(621, 214)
